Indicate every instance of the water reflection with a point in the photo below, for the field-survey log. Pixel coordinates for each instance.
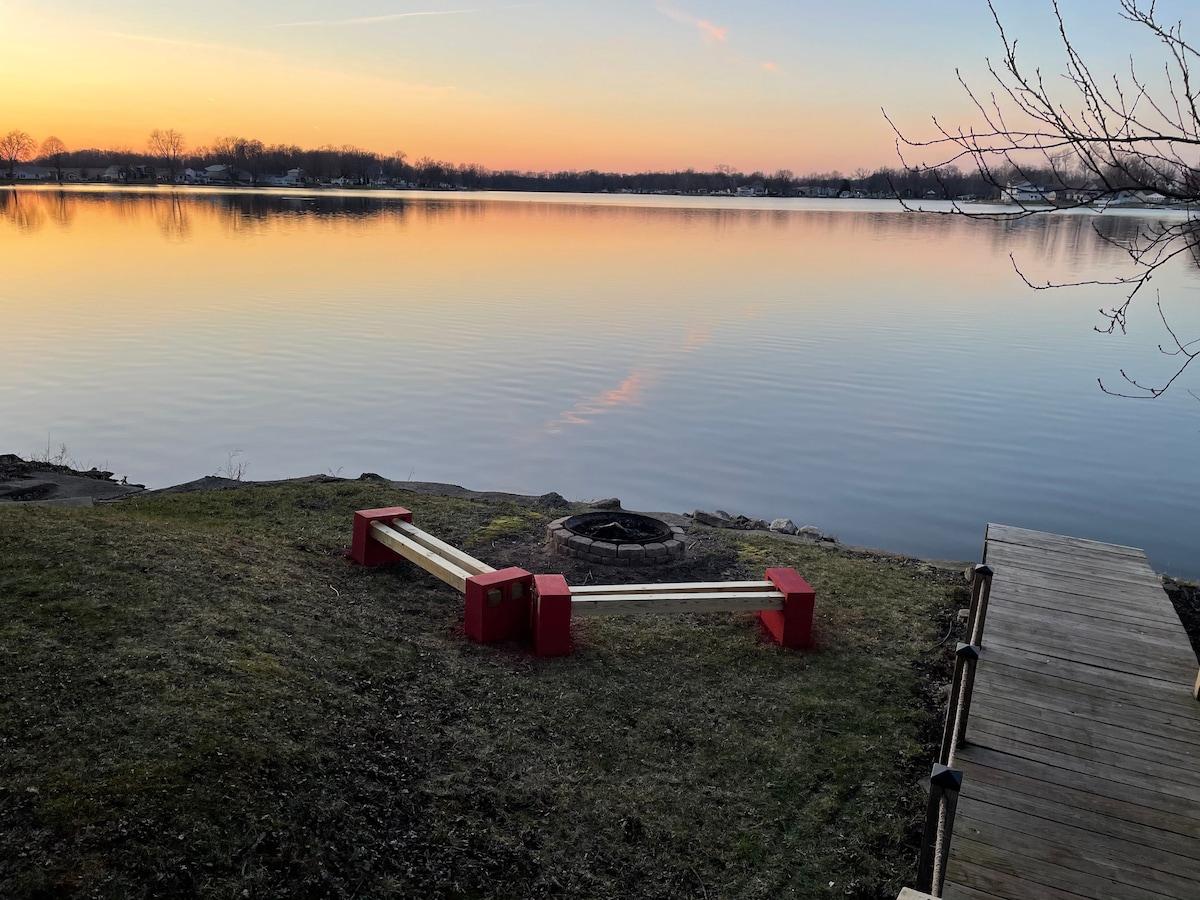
(856, 366)
(1078, 238)
(24, 211)
(174, 220)
(630, 393)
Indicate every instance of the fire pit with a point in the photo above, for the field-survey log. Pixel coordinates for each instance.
(616, 538)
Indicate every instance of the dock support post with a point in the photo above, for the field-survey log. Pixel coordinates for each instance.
(958, 707)
(981, 592)
(944, 785)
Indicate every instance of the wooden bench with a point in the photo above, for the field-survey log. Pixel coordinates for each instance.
(784, 602)
(511, 603)
(497, 601)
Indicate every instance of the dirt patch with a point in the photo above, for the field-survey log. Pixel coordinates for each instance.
(1185, 597)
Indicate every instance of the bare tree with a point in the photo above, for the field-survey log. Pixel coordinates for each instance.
(228, 152)
(1090, 139)
(15, 147)
(168, 145)
(53, 150)
(252, 155)
(240, 155)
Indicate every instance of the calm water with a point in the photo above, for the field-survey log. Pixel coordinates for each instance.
(880, 374)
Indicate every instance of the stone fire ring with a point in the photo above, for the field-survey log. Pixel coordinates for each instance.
(667, 546)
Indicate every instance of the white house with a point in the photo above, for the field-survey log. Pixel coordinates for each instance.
(274, 180)
(1027, 192)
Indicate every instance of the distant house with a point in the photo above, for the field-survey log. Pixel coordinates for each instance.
(1089, 193)
(122, 174)
(1027, 192)
(1137, 198)
(294, 178)
(757, 189)
(216, 175)
(814, 190)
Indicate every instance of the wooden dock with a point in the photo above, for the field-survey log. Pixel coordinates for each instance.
(1081, 771)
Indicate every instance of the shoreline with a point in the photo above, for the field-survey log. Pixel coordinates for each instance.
(34, 483)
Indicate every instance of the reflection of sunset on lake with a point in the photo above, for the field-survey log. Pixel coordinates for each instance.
(584, 412)
(851, 364)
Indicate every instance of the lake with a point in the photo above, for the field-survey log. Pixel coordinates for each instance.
(884, 375)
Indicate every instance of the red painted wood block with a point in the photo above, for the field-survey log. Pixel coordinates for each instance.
(551, 615)
(793, 626)
(364, 549)
(498, 604)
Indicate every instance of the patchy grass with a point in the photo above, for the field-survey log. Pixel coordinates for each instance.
(201, 697)
(506, 527)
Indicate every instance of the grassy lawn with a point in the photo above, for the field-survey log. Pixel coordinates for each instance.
(200, 696)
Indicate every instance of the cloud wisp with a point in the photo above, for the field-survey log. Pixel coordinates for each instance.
(710, 32)
(375, 20)
(177, 42)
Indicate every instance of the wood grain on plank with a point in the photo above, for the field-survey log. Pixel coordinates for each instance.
(1081, 770)
(717, 601)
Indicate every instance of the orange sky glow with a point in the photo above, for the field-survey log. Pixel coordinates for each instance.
(629, 86)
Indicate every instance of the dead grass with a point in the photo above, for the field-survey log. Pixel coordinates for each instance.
(201, 697)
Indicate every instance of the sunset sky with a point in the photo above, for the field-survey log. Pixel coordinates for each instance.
(556, 84)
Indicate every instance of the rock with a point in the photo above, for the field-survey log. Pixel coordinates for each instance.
(610, 503)
(713, 519)
(784, 526)
(811, 530)
(720, 519)
(551, 500)
(748, 524)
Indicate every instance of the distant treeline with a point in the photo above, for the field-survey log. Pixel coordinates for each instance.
(247, 161)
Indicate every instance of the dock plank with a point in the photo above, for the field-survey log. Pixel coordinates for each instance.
(1081, 768)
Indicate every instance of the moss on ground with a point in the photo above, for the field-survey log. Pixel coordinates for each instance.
(200, 696)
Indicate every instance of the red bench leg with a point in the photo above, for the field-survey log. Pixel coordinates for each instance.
(364, 549)
(497, 605)
(793, 626)
(551, 615)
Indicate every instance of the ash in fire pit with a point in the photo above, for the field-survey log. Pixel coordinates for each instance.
(616, 538)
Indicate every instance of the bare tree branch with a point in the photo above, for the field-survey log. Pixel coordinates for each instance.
(1098, 142)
